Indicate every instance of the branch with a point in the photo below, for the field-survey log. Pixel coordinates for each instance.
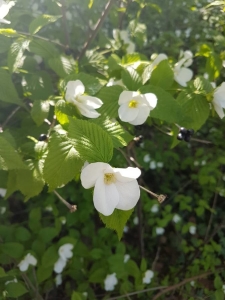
(97, 27)
(9, 117)
(72, 208)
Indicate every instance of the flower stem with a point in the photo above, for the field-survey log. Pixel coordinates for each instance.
(160, 198)
(72, 208)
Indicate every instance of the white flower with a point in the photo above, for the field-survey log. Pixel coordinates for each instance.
(155, 208)
(159, 230)
(65, 252)
(176, 218)
(146, 158)
(160, 164)
(124, 36)
(134, 107)
(2, 210)
(126, 258)
(110, 282)
(148, 276)
(11, 281)
(113, 187)
(158, 58)
(192, 229)
(219, 100)
(152, 165)
(4, 10)
(182, 74)
(28, 260)
(2, 192)
(84, 103)
(135, 220)
(58, 280)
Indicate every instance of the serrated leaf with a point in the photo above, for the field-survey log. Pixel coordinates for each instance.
(64, 109)
(162, 75)
(8, 92)
(87, 138)
(41, 21)
(62, 65)
(14, 250)
(40, 111)
(119, 136)
(43, 48)
(196, 107)
(129, 59)
(15, 54)
(15, 289)
(131, 79)
(110, 96)
(167, 108)
(62, 162)
(117, 220)
(202, 84)
(9, 158)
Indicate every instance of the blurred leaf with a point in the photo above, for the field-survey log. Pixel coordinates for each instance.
(47, 234)
(15, 289)
(8, 91)
(162, 75)
(41, 21)
(22, 234)
(62, 65)
(131, 79)
(39, 111)
(97, 276)
(2, 272)
(43, 48)
(16, 54)
(14, 250)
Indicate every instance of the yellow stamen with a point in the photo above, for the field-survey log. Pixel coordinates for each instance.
(133, 104)
(109, 178)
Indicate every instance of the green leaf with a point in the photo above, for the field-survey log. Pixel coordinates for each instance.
(47, 234)
(110, 96)
(218, 282)
(196, 107)
(64, 109)
(43, 273)
(8, 92)
(130, 59)
(22, 234)
(9, 158)
(97, 276)
(117, 220)
(77, 296)
(14, 250)
(5, 43)
(43, 48)
(41, 21)
(15, 289)
(119, 136)
(131, 79)
(2, 272)
(50, 257)
(15, 54)
(62, 162)
(167, 108)
(87, 138)
(219, 295)
(162, 75)
(40, 111)
(202, 84)
(132, 269)
(62, 65)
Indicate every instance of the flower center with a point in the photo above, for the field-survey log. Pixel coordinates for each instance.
(109, 178)
(133, 104)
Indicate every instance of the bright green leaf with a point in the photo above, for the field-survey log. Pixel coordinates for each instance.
(40, 22)
(162, 75)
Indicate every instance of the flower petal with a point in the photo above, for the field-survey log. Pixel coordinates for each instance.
(59, 265)
(91, 173)
(4, 21)
(65, 251)
(90, 101)
(183, 76)
(31, 259)
(142, 115)
(74, 89)
(23, 265)
(127, 96)
(151, 99)
(86, 111)
(127, 114)
(129, 193)
(126, 174)
(106, 197)
(219, 95)
(218, 108)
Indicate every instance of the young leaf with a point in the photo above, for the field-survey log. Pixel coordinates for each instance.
(62, 65)
(41, 21)
(64, 109)
(15, 289)
(162, 75)
(8, 92)
(117, 220)
(62, 162)
(15, 54)
(40, 111)
(88, 140)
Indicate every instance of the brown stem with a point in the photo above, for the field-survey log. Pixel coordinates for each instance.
(160, 198)
(156, 258)
(97, 27)
(72, 208)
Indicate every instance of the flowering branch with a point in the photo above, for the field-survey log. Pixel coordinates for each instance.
(72, 208)
(97, 27)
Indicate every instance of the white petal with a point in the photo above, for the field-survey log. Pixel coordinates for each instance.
(129, 193)
(90, 101)
(86, 111)
(127, 96)
(105, 197)
(148, 276)
(58, 280)
(159, 58)
(2, 192)
(4, 21)
(4, 9)
(131, 47)
(74, 89)
(31, 259)
(142, 115)
(126, 258)
(219, 95)
(23, 265)
(218, 108)
(91, 173)
(127, 114)
(59, 265)
(126, 174)
(184, 75)
(151, 99)
(110, 282)
(65, 251)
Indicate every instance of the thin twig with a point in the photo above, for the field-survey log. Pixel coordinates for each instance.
(160, 197)
(156, 258)
(177, 192)
(9, 117)
(201, 141)
(64, 21)
(41, 38)
(211, 216)
(72, 208)
(97, 27)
